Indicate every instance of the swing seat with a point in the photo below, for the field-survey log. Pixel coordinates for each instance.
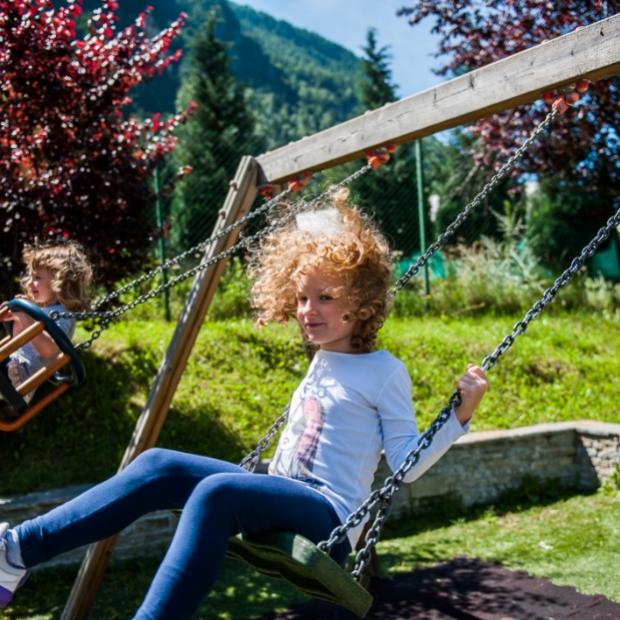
(67, 359)
(295, 559)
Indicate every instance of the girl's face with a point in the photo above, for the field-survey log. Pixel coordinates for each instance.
(320, 312)
(40, 287)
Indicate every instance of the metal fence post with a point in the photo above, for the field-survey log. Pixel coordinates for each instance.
(162, 241)
(421, 213)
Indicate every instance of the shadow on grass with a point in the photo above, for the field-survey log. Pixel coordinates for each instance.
(240, 593)
(82, 437)
(532, 492)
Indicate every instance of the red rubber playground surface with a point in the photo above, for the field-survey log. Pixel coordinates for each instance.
(467, 589)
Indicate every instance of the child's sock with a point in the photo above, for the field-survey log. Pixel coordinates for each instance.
(12, 572)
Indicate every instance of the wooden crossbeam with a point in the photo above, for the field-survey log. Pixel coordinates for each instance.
(591, 52)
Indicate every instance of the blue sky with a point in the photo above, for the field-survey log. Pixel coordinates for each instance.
(346, 22)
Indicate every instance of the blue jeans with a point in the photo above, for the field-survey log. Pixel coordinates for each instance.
(219, 500)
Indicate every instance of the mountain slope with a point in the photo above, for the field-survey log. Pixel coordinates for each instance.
(298, 82)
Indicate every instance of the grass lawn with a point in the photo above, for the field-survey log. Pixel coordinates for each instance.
(239, 379)
(237, 382)
(573, 541)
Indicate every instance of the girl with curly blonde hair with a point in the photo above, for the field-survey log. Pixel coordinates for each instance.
(329, 270)
(347, 249)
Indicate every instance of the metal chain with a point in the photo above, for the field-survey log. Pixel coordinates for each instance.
(549, 294)
(199, 247)
(107, 317)
(464, 214)
(381, 498)
(250, 461)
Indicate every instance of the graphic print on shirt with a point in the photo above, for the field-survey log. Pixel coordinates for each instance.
(314, 418)
(298, 446)
(297, 450)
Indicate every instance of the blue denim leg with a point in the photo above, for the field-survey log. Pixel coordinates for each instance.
(218, 500)
(219, 507)
(155, 480)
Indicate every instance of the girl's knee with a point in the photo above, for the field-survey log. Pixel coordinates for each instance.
(222, 488)
(158, 460)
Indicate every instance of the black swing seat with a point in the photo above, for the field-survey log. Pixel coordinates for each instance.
(68, 360)
(297, 560)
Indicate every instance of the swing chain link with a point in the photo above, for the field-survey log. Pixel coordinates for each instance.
(199, 247)
(480, 197)
(102, 326)
(549, 294)
(250, 461)
(107, 317)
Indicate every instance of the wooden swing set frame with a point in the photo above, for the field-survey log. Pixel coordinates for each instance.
(592, 53)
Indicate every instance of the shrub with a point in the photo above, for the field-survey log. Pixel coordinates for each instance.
(501, 277)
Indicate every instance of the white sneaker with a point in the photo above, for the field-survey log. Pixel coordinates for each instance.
(11, 577)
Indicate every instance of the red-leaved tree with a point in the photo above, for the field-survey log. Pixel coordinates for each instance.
(71, 164)
(582, 153)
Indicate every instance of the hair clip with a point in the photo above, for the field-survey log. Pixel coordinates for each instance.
(321, 222)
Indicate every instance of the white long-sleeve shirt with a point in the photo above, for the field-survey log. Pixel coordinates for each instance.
(347, 409)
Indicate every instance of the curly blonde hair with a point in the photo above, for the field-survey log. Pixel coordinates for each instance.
(355, 253)
(69, 267)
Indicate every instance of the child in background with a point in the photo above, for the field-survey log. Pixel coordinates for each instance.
(330, 271)
(57, 278)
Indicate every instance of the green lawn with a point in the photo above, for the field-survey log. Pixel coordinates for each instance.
(239, 379)
(573, 541)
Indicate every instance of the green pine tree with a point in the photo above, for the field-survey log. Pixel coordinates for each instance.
(376, 88)
(456, 178)
(213, 141)
(388, 193)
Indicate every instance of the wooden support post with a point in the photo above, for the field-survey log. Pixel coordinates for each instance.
(238, 202)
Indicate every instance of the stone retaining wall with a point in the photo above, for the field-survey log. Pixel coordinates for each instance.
(476, 470)
(482, 466)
